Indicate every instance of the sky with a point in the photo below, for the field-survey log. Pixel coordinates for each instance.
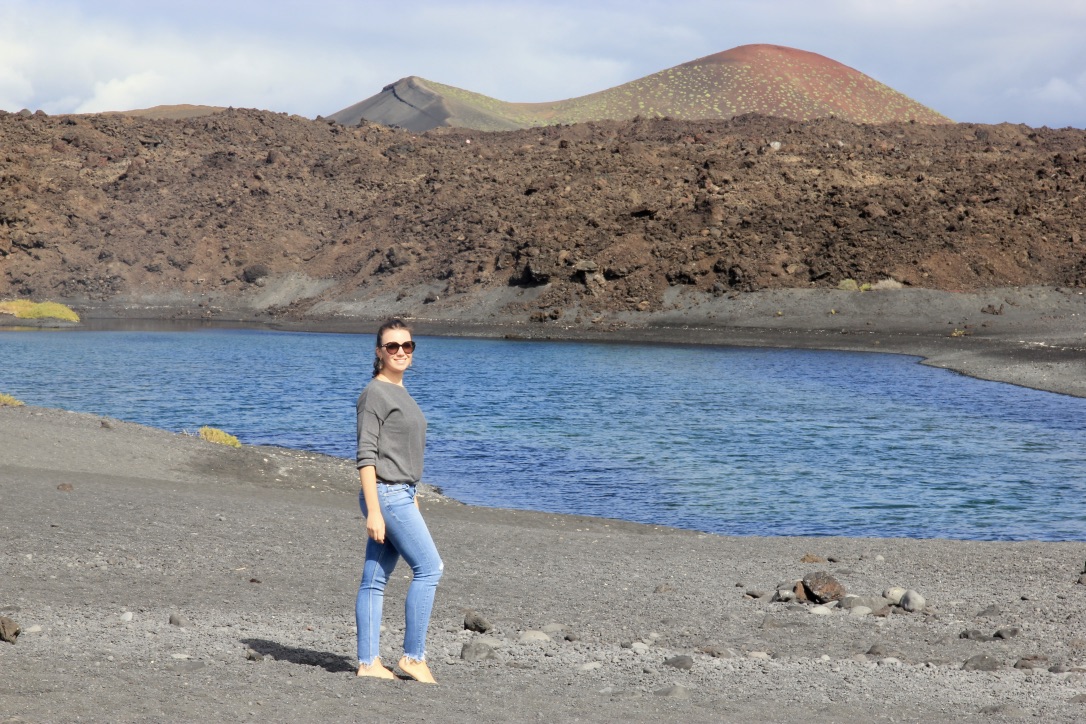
(981, 61)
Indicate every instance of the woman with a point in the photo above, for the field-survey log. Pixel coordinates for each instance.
(391, 438)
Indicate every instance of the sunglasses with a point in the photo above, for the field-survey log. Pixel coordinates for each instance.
(394, 347)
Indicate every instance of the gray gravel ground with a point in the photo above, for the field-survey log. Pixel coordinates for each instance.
(258, 551)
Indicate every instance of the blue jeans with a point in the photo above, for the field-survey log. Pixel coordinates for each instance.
(406, 535)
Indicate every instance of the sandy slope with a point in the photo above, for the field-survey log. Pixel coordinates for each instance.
(259, 549)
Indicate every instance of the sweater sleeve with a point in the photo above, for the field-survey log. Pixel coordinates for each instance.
(369, 431)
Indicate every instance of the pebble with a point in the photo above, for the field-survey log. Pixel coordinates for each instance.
(475, 622)
(591, 666)
(981, 662)
(872, 602)
(553, 628)
(126, 617)
(913, 602)
(894, 594)
(639, 647)
(33, 629)
(1006, 633)
(675, 691)
(822, 587)
(718, 652)
(177, 619)
(476, 651)
(859, 611)
(821, 610)
(534, 637)
(9, 629)
(1036, 661)
(761, 655)
(991, 611)
(682, 662)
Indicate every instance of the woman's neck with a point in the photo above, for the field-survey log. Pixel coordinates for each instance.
(391, 378)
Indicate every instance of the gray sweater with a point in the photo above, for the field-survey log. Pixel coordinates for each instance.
(391, 432)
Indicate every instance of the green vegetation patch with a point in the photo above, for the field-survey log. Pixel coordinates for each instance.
(217, 436)
(26, 309)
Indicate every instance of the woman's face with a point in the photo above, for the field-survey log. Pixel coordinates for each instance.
(399, 360)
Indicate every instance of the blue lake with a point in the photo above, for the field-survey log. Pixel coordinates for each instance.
(728, 440)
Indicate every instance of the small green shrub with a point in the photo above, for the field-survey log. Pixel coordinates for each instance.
(215, 435)
(9, 401)
(26, 309)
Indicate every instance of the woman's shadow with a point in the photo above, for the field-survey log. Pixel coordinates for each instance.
(332, 663)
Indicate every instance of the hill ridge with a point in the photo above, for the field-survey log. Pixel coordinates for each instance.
(771, 80)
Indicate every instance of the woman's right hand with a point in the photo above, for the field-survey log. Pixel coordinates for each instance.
(375, 526)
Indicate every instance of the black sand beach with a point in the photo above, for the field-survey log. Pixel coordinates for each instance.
(255, 554)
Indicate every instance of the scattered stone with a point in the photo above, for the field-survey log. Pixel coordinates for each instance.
(65, 487)
(1082, 580)
(9, 630)
(894, 595)
(889, 661)
(683, 662)
(756, 594)
(821, 610)
(639, 647)
(872, 602)
(675, 691)
(126, 617)
(185, 667)
(591, 666)
(1080, 699)
(554, 628)
(1059, 669)
(761, 655)
(33, 629)
(177, 619)
(718, 652)
(859, 611)
(1006, 633)
(494, 643)
(821, 587)
(991, 611)
(1036, 661)
(475, 622)
(981, 662)
(975, 635)
(663, 588)
(476, 650)
(252, 655)
(812, 558)
(882, 651)
(534, 637)
(785, 593)
(913, 601)
(254, 580)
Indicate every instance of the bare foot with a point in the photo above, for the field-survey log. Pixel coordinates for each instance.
(417, 670)
(376, 670)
